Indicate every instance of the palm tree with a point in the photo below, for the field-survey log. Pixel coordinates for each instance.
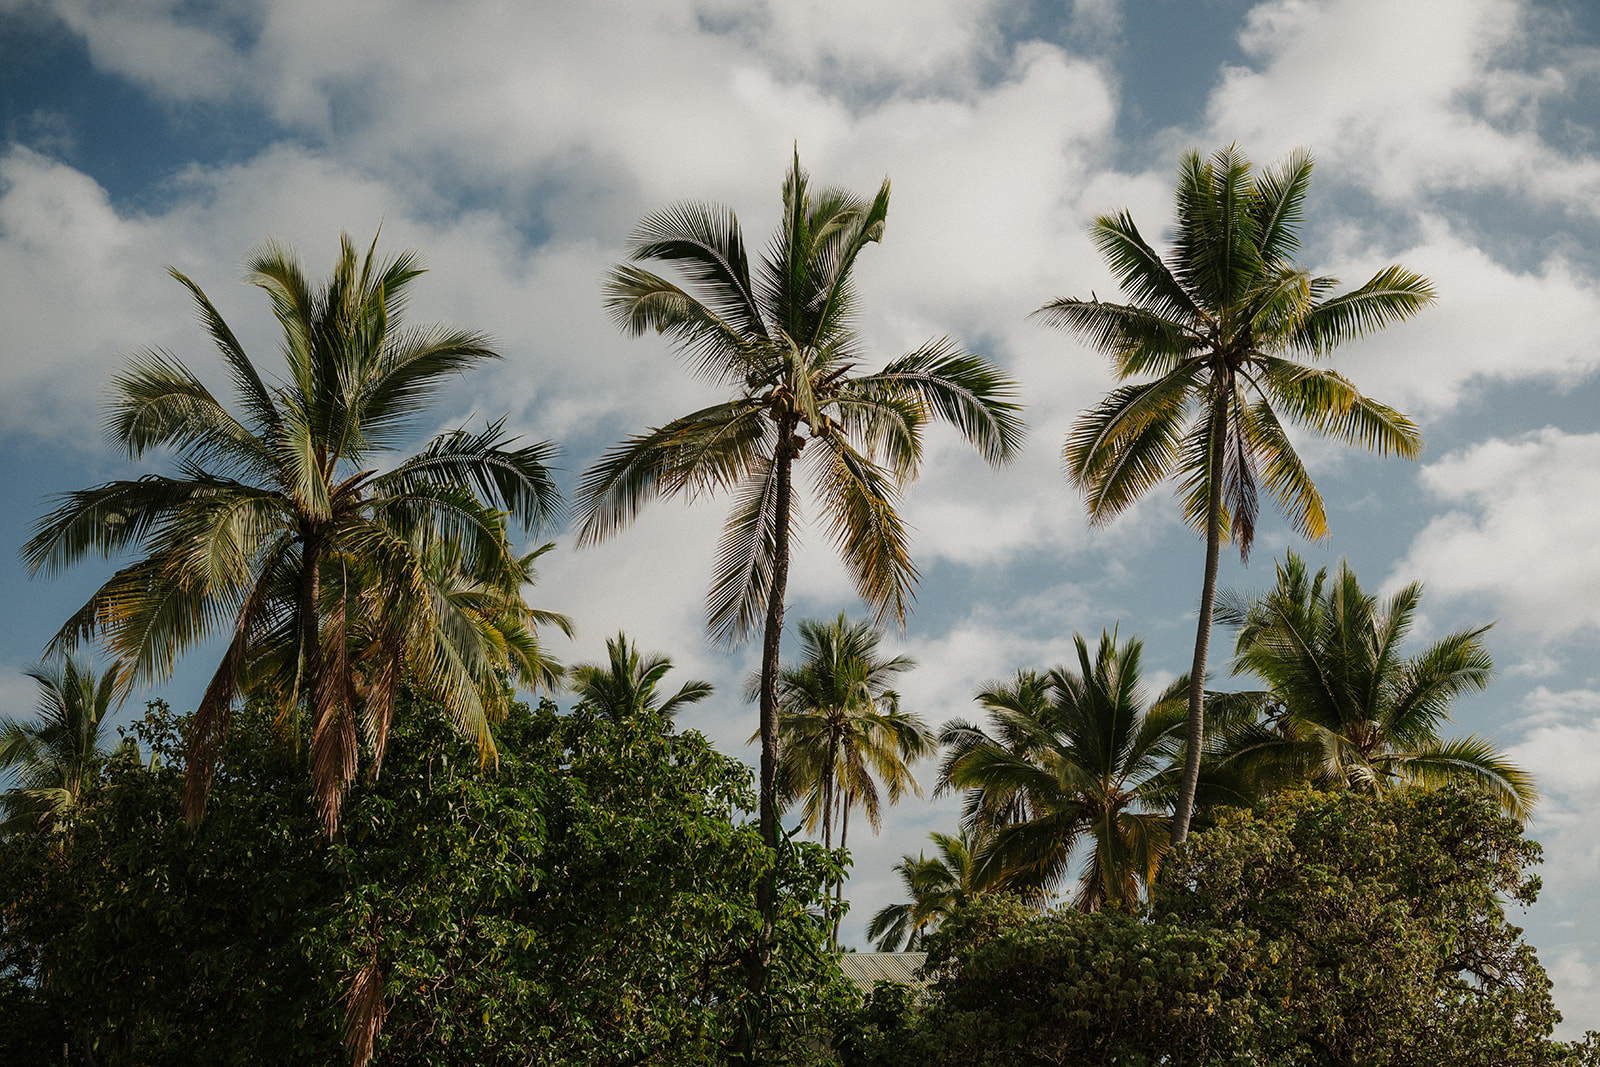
(937, 887)
(1015, 709)
(54, 758)
(1215, 324)
(783, 342)
(841, 730)
(334, 577)
(1345, 709)
(625, 686)
(1090, 761)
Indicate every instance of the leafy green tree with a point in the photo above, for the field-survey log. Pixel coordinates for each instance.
(1215, 325)
(1318, 930)
(841, 729)
(1345, 707)
(581, 902)
(625, 685)
(938, 887)
(783, 342)
(335, 569)
(1388, 917)
(1088, 761)
(55, 757)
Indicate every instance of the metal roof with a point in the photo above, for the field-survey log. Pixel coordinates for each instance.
(866, 969)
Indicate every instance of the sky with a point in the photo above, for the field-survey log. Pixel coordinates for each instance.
(516, 145)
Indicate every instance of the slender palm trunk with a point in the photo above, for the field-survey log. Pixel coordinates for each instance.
(828, 790)
(767, 888)
(838, 887)
(1195, 736)
(310, 634)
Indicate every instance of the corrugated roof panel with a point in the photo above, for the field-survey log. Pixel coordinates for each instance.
(866, 969)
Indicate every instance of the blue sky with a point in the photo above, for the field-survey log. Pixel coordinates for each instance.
(517, 144)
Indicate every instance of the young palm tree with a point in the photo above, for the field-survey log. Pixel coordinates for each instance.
(841, 730)
(625, 686)
(782, 341)
(1091, 762)
(937, 887)
(1215, 324)
(55, 757)
(334, 577)
(1347, 710)
(1015, 707)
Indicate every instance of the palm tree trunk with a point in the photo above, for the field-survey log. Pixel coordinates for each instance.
(838, 909)
(1195, 736)
(310, 595)
(767, 888)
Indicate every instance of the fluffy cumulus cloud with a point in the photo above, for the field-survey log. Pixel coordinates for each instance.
(1407, 99)
(1518, 530)
(1562, 733)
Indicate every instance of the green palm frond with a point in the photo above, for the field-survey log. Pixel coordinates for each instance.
(1125, 445)
(1474, 761)
(859, 502)
(1139, 340)
(1279, 208)
(966, 391)
(1392, 295)
(1140, 270)
(746, 557)
(517, 479)
(713, 448)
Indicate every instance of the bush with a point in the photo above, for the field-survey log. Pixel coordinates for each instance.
(584, 902)
(1318, 929)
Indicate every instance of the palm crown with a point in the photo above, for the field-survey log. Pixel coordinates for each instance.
(1346, 707)
(334, 578)
(55, 757)
(1076, 754)
(625, 685)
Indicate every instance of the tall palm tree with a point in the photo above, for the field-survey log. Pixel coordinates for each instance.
(782, 341)
(937, 887)
(55, 757)
(335, 568)
(625, 686)
(1346, 708)
(1214, 324)
(841, 730)
(1091, 762)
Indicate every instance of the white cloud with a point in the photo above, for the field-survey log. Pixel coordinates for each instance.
(1491, 323)
(1522, 530)
(1403, 99)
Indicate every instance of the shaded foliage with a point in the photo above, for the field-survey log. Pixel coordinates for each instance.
(1320, 929)
(586, 903)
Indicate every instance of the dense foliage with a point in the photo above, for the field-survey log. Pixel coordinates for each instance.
(1320, 929)
(585, 903)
